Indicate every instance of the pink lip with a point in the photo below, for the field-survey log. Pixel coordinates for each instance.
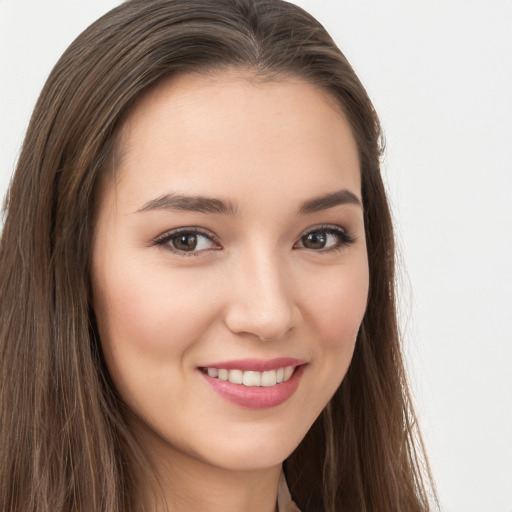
(256, 365)
(254, 397)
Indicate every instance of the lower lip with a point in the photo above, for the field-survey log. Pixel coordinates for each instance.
(256, 397)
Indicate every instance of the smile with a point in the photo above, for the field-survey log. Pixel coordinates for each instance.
(252, 378)
(255, 384)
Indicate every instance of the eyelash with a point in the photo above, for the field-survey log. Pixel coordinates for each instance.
(344, 239)
(165, 239)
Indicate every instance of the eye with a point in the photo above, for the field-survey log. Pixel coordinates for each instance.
(325, 239)
(187, 241)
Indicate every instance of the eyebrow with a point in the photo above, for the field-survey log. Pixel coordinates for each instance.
(203, 204)
(199, 204)
(327, 201)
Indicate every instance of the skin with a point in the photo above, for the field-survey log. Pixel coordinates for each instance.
(252, 289)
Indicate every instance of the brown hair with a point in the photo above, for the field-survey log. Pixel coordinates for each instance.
(64, 443)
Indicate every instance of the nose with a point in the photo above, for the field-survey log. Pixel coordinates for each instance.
(261, 299)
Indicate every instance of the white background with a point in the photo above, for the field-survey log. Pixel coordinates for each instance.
(440, 76)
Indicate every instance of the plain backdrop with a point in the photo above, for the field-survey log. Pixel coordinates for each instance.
(440, 76)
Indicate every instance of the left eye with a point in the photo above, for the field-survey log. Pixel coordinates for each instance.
(324, 238)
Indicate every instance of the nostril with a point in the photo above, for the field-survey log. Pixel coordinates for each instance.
(263, 309)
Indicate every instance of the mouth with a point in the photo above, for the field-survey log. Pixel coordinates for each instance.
(255, 384)
(251, 378)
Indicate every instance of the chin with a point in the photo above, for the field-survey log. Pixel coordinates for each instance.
(250, 459)
(255, 448)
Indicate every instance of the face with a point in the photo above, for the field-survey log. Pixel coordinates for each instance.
(229, 266)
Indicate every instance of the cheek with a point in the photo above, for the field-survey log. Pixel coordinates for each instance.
(340, 306)
(337, 311)
(148, 322)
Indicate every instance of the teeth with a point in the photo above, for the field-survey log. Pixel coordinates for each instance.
(269, 378)
(236, 376)
(251, 378)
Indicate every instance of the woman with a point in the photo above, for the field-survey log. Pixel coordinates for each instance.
(197, 307)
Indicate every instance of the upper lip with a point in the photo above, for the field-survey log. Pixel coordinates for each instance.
(256, 365)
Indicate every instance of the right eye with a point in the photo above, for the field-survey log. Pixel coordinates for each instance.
(187, 242)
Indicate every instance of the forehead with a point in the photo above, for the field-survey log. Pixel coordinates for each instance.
(212, 133)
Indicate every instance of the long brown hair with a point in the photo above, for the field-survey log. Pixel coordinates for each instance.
(64, 443)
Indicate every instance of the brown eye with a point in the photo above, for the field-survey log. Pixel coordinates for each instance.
(314, 240)
(185, 242)
(325, 239)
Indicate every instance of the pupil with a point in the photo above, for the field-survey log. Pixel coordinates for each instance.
(186, 242)
(315, 240)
